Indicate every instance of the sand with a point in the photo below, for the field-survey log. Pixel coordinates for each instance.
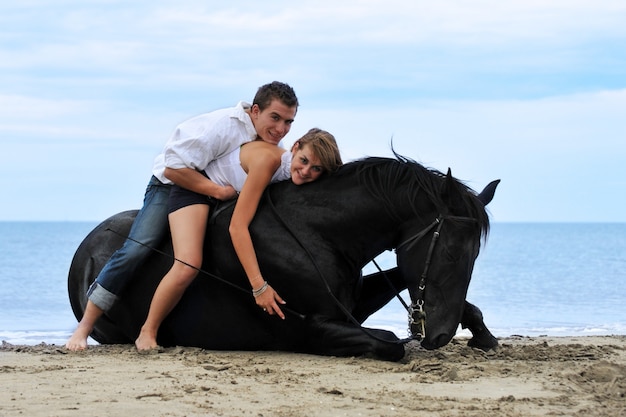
(525, 376)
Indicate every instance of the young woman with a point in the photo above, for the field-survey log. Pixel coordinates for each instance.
(248, 169)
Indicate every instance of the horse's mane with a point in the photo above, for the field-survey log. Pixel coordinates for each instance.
(380, 175)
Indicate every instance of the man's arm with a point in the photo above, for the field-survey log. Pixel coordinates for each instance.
(194, 181)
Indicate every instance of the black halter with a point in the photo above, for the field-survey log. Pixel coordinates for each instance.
(417, 315)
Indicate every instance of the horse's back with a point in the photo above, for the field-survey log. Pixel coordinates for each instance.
(211, 310)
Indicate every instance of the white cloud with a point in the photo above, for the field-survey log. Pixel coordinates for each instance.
(424, 47)
(30, 120)
(397, 21)
(582, 121)
(302, 24)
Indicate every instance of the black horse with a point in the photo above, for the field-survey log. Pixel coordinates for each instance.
(312, 242)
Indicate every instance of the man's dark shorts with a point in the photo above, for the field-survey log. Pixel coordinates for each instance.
(181, 197)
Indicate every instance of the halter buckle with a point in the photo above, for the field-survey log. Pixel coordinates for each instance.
(417, 320)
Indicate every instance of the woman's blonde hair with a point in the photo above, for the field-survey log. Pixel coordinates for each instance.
(324, 145)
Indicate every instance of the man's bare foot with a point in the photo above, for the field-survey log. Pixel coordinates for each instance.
(78, 340)
(146, 341)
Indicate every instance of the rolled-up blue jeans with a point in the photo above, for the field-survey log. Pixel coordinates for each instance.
(150, 228)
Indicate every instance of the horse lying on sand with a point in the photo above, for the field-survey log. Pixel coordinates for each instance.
(312, 243)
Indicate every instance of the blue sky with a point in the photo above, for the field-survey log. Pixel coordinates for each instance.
(531, 92)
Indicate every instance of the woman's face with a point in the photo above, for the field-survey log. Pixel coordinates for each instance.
(305, 165)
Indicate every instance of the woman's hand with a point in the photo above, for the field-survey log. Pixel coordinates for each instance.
(269, 301)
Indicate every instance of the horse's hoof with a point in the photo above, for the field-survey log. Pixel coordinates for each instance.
(485, 344)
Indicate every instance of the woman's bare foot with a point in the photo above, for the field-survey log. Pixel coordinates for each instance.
(146, 341)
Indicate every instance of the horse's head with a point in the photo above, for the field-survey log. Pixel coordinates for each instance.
(436, 257)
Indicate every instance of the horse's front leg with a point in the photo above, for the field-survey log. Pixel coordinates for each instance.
(333, 337)
(472, 319)
(381, 287)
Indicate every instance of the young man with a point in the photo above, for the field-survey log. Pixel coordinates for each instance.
(193, 145)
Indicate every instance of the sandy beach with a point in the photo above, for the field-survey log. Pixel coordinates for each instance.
(525, 376)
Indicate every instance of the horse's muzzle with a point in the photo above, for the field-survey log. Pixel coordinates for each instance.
(437, 341)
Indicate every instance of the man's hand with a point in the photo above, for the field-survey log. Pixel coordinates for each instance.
(226, 193)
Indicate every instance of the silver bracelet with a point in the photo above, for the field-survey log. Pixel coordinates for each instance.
(261, 290)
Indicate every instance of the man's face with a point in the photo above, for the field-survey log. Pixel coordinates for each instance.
(273, 123)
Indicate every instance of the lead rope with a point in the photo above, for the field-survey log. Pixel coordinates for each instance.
(406, 306)
(409, 309)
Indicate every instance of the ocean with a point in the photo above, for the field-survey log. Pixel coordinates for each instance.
(531, 279)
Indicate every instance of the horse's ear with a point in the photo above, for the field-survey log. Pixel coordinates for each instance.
(486, 195)
(452, 193)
